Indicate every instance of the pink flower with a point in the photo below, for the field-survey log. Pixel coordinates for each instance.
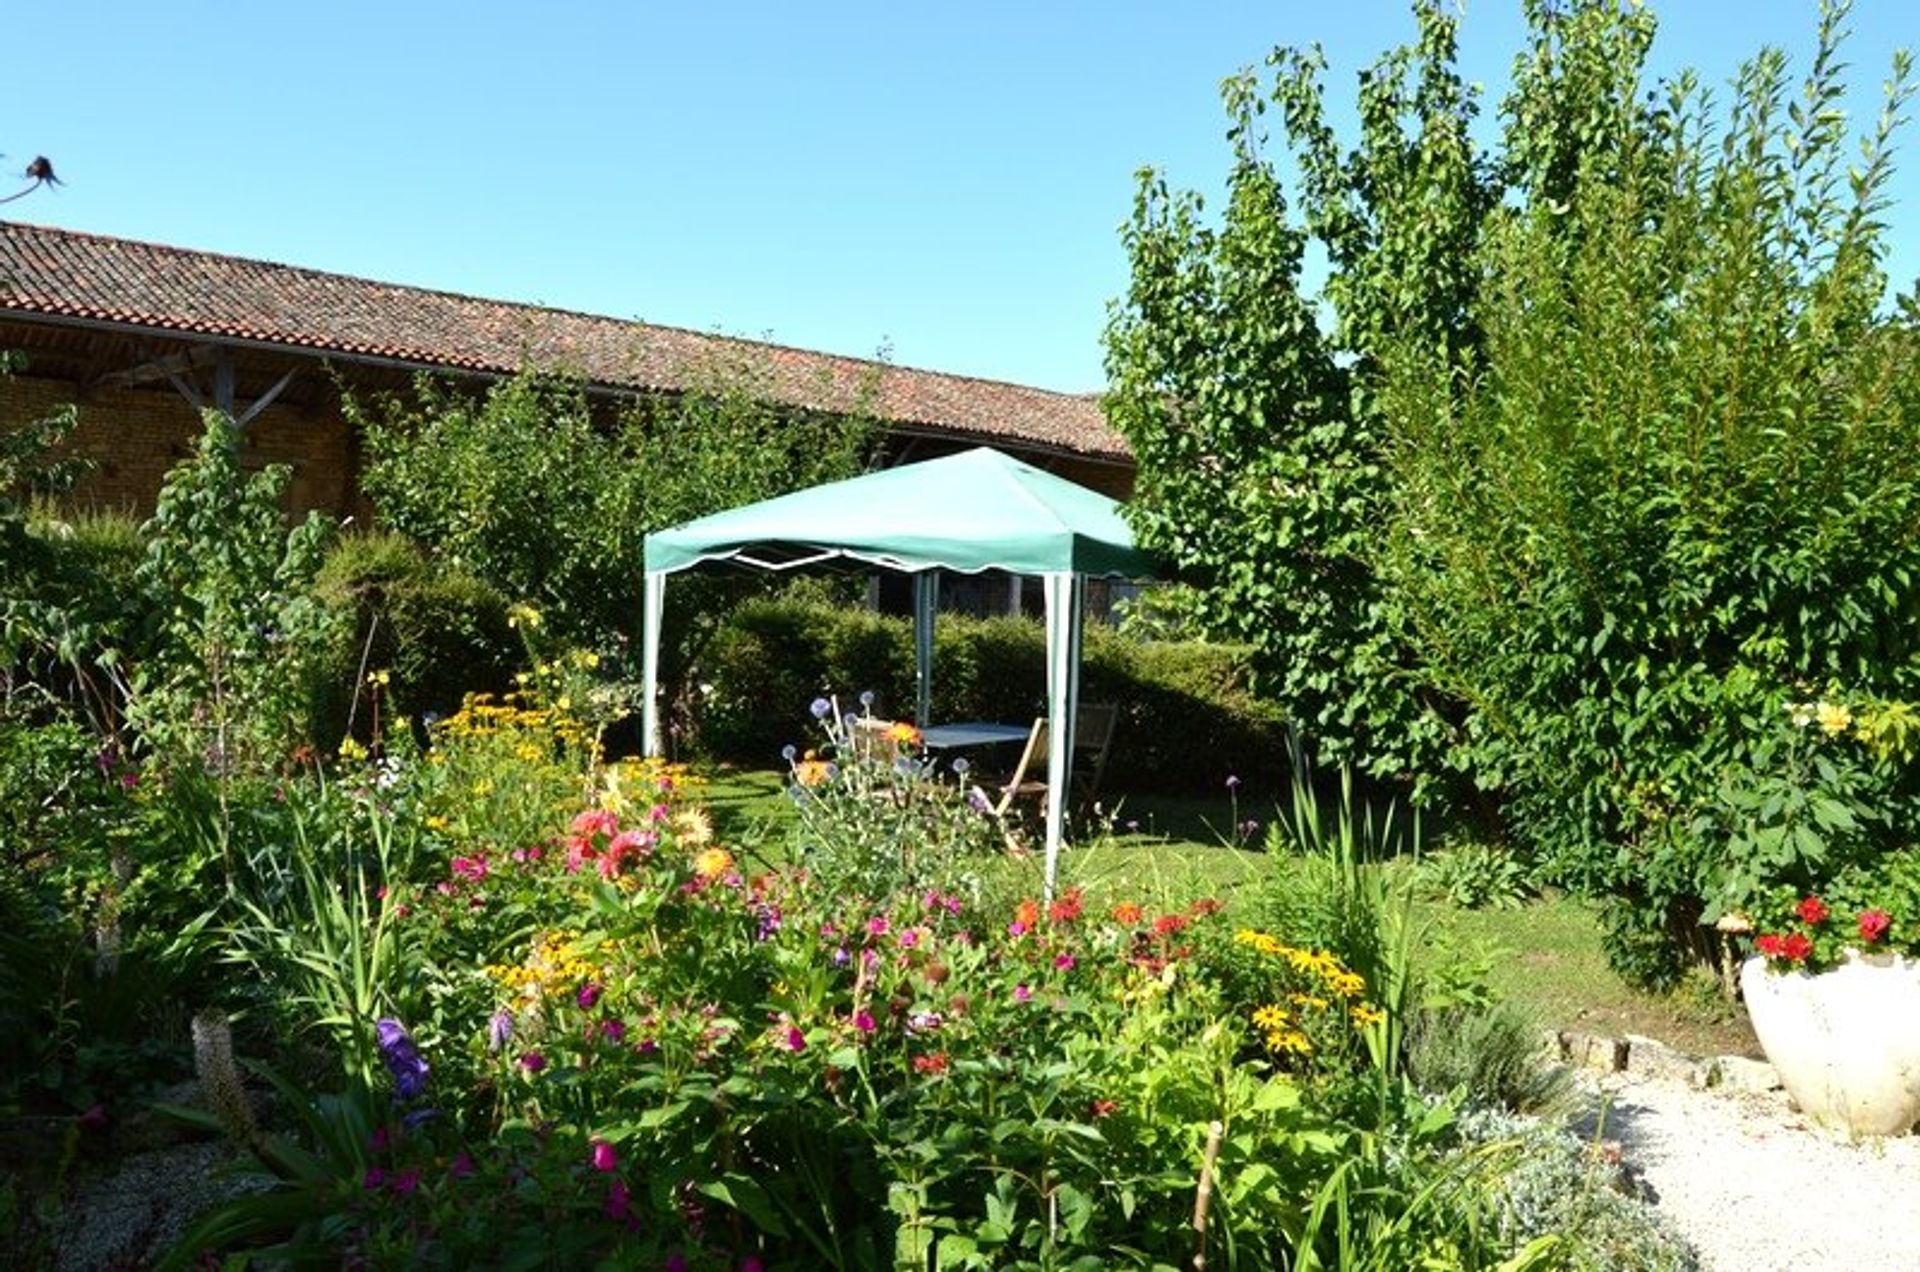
(863, 1021)
(752, 1264)
(1874, 924)
(1064, 962)
(878, 925)
(1022, 994)
(472, 869)
(603, 1156)
(406, 1181)
(1016, 929)
(619, 1201)
(796, 1041)
(595, 821)
(910, 937)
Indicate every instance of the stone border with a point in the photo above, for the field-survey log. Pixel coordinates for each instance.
(1650, 1058)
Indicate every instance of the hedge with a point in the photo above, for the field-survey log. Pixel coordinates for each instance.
(439, 633)
(1188, 716)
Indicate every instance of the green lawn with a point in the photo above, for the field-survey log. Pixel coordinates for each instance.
(1548, 954)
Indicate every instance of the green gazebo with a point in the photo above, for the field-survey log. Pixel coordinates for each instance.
(977, 510)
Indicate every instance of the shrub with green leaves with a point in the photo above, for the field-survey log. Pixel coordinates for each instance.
(1676, 490)
(1188, 715)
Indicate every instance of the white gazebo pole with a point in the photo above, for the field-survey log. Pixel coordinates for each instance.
(1063, 691)
(926, 601)
(654, 607)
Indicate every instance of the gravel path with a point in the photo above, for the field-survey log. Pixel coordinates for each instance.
(1756, 1190)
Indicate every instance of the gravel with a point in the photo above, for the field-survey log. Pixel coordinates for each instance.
(1755, 1189)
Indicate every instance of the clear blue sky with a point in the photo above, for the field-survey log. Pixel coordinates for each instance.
(944, 179)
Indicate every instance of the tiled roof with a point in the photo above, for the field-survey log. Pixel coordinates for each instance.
(68, 274)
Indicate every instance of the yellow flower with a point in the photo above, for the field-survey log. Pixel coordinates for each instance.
(351, 750)
(711, 863)
(1834, 718)
(694, 826)
(522, 613)
(378, 677)
(1271, 1017)
(1364, 1015)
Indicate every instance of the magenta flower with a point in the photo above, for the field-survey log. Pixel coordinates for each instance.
(589, 995)
(796, 1041)
(1064, 962)
(533, 1062)
(1022, 994)
(619, 1201)
(603, 1156)
(863, 1021)
(910, 937)
(878, 925)
(752, 1264)
(406, 1181)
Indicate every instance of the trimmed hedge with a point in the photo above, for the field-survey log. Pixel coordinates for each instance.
(1188, 717)
(441, 633)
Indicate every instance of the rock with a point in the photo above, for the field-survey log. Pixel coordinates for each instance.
(1650, 1058)
(1737, 1073)
(1593, 1051)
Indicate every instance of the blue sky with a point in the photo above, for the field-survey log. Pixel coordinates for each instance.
(946, 181)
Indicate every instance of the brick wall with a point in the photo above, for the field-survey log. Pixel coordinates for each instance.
(135, 435)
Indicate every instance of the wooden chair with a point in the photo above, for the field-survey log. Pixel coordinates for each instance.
(1020, 785)
(1093, 728)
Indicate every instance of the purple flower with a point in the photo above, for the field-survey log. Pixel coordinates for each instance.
(533, 1062)
(866, 698)
(820, 708)
(499, 1029)
(840, 956)
(614, 1031)
(414, 1119)
(375, 1178)
(403, 1059)
(589, 995)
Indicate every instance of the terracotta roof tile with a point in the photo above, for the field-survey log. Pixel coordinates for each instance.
(65, 273)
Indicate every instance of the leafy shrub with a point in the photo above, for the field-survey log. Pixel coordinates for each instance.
(1562, 1187)
(1188, 716)
(1493, 1053)
(439, 633)
(1679, 491)
(1477, 876)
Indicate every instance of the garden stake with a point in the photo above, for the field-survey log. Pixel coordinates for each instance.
(1204, 1194)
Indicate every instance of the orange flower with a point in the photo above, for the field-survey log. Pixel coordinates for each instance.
(1027, 914)
(711, 863)
(1067, 908)
(812, 772)
(1128, 913)
(902, 732)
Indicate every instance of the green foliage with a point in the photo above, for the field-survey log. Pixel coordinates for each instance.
(228, 679)
(1188, 716)
(1676, 487)
(1474, 876)
(1258, 436)
(439, 633)
(547, 494)
(874, 814)
(1492, 1054)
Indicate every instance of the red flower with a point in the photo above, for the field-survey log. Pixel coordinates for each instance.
(1773, 945)
(1102, 1108)
(1796, 947)
(1168, 924)
(1067, 908)
(1812, 910)
(935, 1063)
(1873, 924)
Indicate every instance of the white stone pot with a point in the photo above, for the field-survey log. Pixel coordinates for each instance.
(1846, 1042)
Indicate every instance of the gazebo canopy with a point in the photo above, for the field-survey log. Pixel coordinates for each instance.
(977, 510)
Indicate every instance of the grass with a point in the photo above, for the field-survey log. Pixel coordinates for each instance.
(1548, 955)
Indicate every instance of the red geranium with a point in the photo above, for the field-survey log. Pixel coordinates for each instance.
(1874, 924)
(1812, 910)
(1772, 945)
(1796, 947)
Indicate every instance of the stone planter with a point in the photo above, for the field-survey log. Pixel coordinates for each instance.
(1846, 1042)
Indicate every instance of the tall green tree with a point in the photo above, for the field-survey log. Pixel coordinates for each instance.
(548, 495)
(1675, 489)
(1256, 429)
